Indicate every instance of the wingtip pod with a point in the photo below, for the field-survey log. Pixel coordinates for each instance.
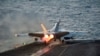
(16, 35)
(21, 35)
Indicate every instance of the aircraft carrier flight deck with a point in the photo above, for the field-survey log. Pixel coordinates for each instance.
(91, 48)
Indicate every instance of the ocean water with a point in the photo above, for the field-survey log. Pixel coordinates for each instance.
(17, 16)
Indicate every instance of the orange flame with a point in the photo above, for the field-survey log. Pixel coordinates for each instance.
(47, 38)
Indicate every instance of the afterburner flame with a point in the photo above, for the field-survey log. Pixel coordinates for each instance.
(51, 36)
(47, 38)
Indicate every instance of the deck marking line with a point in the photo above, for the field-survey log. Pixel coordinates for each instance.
(62, 52)
(44, 50)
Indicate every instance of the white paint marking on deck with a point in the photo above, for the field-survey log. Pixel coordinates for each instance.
(62, 52)
(44, 50)
(40, 52)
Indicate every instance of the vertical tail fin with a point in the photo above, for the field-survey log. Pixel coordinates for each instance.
(56, 26)
(44, 29)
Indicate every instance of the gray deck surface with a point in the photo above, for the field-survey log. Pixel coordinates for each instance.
(76, 49)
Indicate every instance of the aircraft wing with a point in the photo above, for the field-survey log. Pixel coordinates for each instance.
(75, 33)
(36, 34)
(30, 34)
(79, 33)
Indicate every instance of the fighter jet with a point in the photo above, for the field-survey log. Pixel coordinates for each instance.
(52, 34)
